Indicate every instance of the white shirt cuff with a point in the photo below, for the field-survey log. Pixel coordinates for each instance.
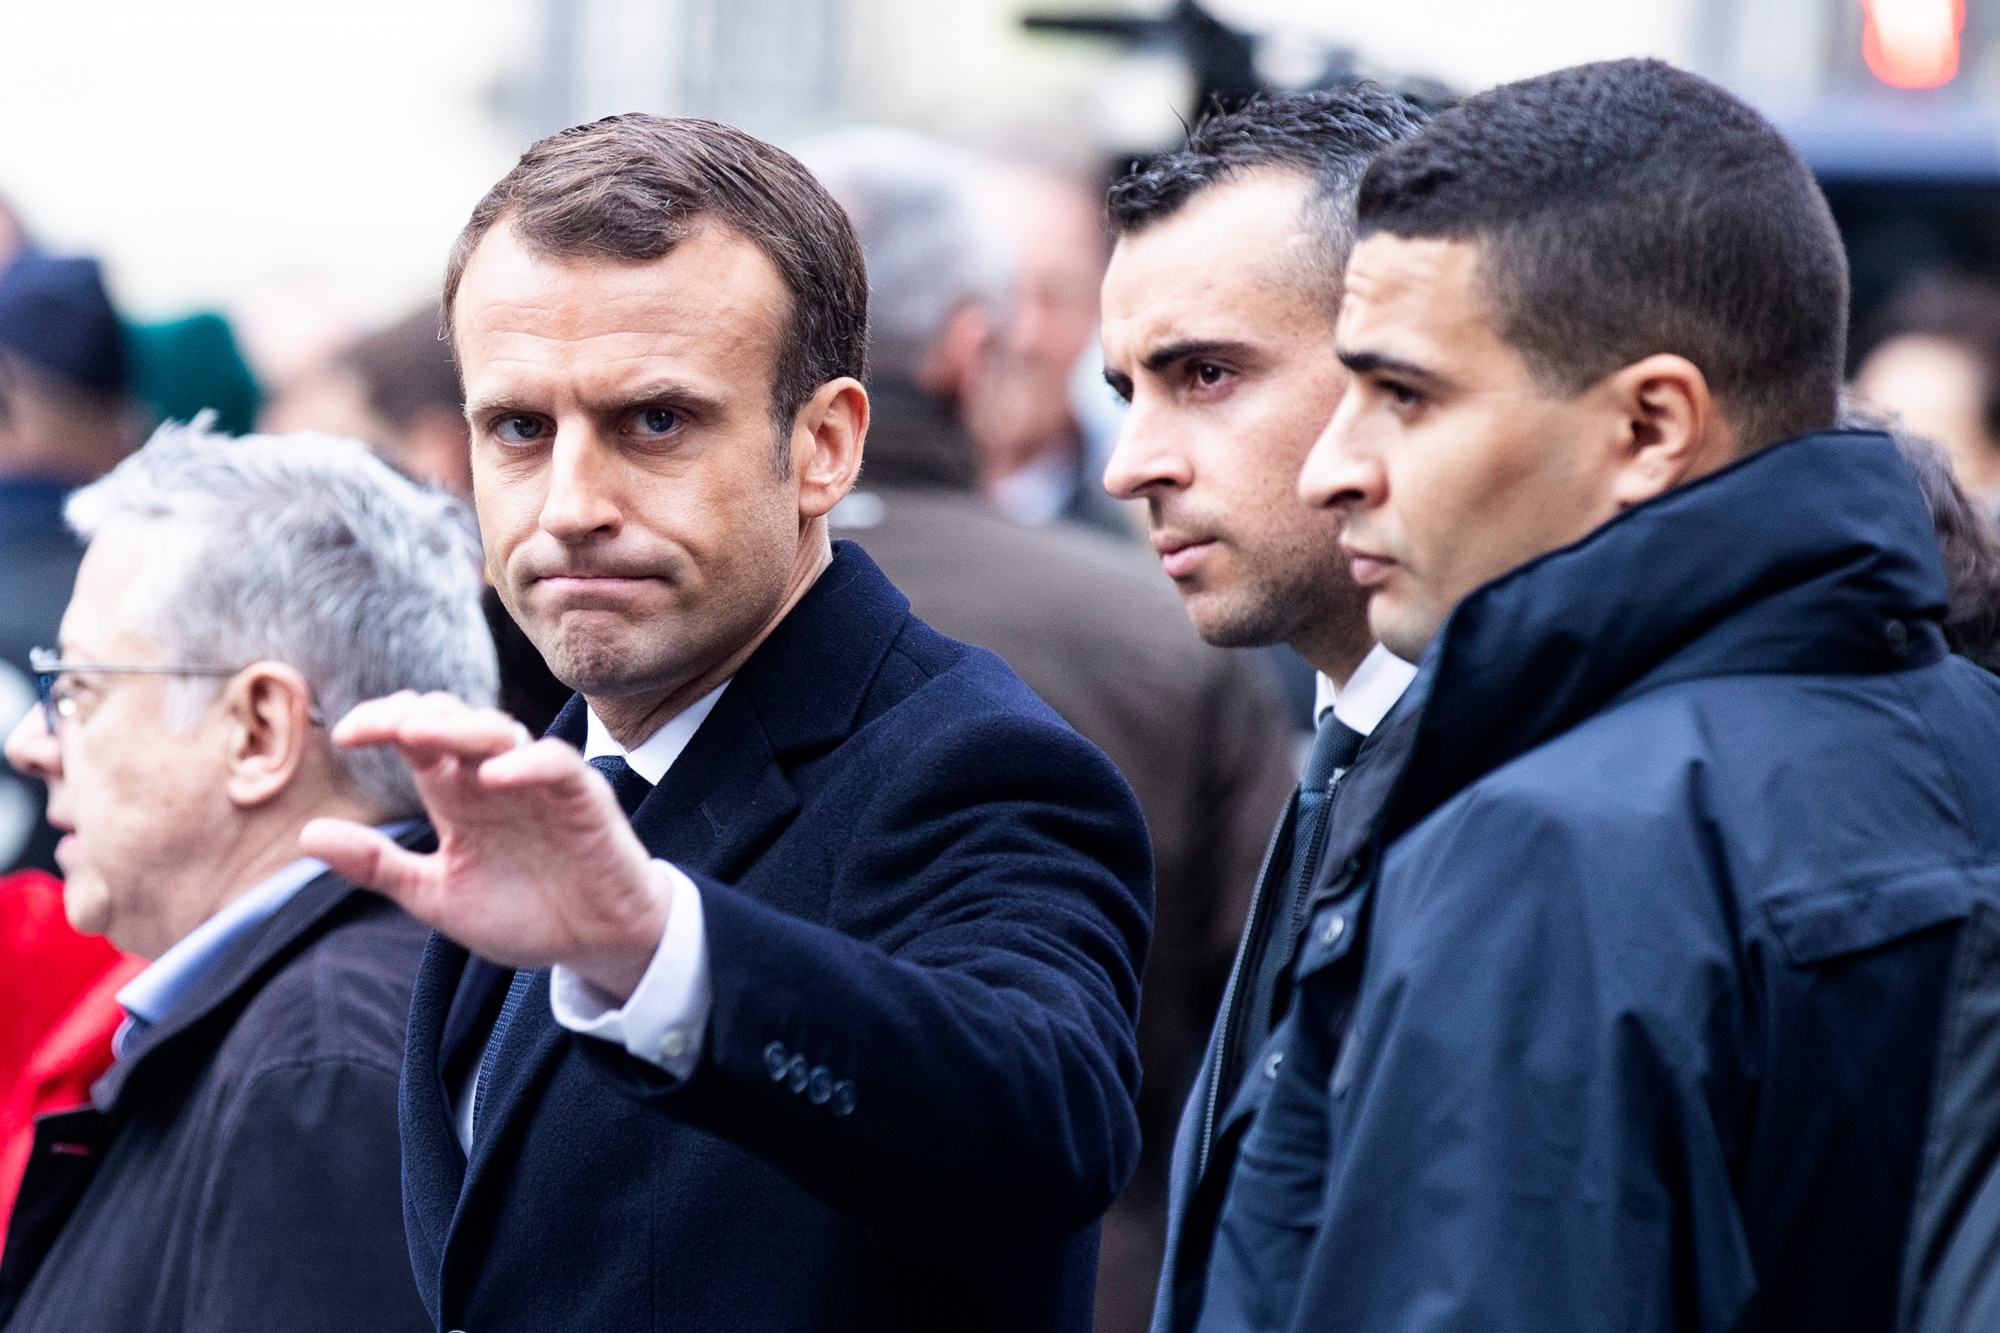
(666, 1019)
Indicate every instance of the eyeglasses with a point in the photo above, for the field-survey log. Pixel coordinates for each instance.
(58, 699)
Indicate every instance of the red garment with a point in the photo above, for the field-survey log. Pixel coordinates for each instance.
(57, 1014)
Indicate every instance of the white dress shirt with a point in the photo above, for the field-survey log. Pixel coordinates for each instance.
(666, 1018)
(1369, 693)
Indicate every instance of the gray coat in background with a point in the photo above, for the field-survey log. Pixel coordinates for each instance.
(1097, 630)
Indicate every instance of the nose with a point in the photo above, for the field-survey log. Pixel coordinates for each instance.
(582, 497)
(32, 749)
(1340, 472)
(1145, 459)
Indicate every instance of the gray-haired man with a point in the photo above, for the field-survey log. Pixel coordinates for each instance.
(239, 1169)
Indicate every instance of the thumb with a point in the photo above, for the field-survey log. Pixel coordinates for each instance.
(366, 857)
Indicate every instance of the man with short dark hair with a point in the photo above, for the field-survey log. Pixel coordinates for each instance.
(804, 996)
(1658, 949)
(1218, 328)
(64, 420)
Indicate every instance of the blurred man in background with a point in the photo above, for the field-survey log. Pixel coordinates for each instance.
(1218, 320)
(238, 1170)
(1086, 620)
(65, 419)
(1034, 461)
(397, 389)
(1933, 358)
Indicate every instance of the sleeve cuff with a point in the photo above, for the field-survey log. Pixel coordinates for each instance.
(666, 1019)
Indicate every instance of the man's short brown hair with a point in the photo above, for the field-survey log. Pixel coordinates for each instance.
(632, 187)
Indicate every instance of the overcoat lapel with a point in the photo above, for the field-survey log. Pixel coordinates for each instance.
(721, 804)
(723, 800)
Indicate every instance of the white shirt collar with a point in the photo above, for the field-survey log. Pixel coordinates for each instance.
(1370, 692)
(656, 754)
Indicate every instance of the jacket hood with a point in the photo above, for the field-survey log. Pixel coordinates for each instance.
(1813, 556)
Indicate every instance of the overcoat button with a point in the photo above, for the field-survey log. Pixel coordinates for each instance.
(843, 1097)
(795, 1074)
(775, 1058)
(1271, 1065)
(819, 1086)
(674, 1045)
(1897, 635)
(1331, 931)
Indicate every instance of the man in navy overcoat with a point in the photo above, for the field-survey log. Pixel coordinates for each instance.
(836, 1030)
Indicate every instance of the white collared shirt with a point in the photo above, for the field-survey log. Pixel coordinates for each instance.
(1369, 694)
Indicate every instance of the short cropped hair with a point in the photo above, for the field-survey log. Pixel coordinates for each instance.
(305, 550)
(1629, 208)
(931, 247)
(632, 187)
(1330, 137)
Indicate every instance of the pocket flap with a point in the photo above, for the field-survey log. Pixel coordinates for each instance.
(1815, 925)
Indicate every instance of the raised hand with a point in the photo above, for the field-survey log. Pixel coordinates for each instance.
(536, 863)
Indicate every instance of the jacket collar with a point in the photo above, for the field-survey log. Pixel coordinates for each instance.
(804, 686)
(730, 791)
(798, 696)
(1815, 555)
(203, 1016)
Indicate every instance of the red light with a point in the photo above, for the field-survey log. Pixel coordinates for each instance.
(1912, 43)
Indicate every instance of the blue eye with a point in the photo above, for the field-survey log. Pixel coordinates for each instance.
(520, 430)
(658, 420)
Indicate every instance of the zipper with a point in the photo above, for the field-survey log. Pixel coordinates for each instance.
(1259, 899)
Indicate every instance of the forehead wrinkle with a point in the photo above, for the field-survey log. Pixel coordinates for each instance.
(706, 311)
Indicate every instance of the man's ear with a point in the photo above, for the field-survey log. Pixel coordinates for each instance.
(1671, 429)
(267, 719)
(827, 435)
(956, 361)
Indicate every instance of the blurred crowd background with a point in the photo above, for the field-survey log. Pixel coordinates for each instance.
(243, 208)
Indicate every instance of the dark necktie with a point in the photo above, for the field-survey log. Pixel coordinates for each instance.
(630, 789)
(1333, 752)
(627, 786)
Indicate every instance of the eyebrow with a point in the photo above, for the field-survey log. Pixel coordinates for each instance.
(1377, 363)
(671, 392)
(1162, 357)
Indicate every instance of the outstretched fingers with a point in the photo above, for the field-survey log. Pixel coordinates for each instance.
(545, 763)
(428, 728)
(365, 856)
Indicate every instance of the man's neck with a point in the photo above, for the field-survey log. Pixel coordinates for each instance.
(1338, 662)
(632, 720)
(260, 850)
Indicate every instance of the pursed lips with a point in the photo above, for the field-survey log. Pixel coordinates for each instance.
(1180, 555)
(1366, 568)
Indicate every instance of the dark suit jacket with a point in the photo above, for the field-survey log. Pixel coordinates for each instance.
(1097, 630)
(1227, 1094)
(237, 1173)
(915, 876)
